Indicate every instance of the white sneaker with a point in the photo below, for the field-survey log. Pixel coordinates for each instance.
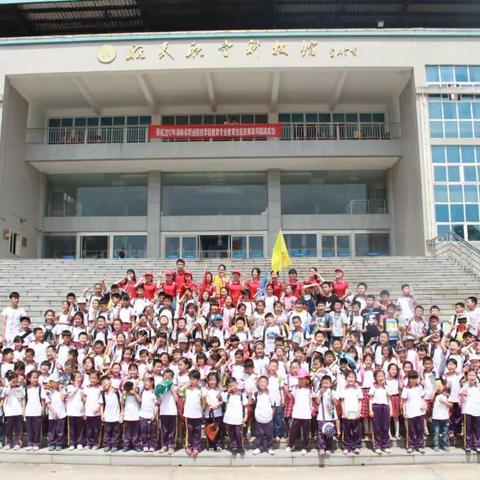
(79, 447)
(16, 447)
(303, 452)
(288, 449)
(271, 451)
(71, 447)
(29, 448)
(6, 447)
(256, 451)
(35, 448)
(328, 452)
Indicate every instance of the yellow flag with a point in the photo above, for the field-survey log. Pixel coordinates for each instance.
(280, 256)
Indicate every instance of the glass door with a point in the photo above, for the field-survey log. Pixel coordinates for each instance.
(214, 246)
(94, 246)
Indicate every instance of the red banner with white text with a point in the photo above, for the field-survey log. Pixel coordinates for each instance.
(227, 131)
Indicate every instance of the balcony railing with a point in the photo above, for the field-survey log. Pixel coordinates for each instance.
(362, 207)
(139, 134)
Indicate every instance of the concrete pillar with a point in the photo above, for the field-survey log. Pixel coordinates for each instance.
(153, 214)
(274, 207)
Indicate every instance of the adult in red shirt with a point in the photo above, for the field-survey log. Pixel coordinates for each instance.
(235, 286)
(149, 286)
(169, 287)
(129, 283)
(293, 282)
(314, 277)
(277, 286)
(188, 282)
(253, 284)
(207, 285)
(340, 284)
(179, 275)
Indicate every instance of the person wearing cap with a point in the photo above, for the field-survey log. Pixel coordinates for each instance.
(301, 413)
(235, 286)
(169, 287)
(340, 284)
(149, 286)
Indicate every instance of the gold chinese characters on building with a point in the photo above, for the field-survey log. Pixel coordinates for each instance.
(304, 49)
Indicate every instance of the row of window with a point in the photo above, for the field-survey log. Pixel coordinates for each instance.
(468, 232)
(331, 117)
(465, 173)
(453, 110)
(112, 121)
(441, 74)
(455, 154)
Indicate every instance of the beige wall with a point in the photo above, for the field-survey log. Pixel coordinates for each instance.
(20, 183)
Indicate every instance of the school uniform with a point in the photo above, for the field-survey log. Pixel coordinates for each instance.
(193, 414)
(440, 416)
(352, 430)
(301, 417)
(327, 413)
(111, 414)
(131, 423)
(56, 418)
(148, 427)
(33, 415)
(471, 412)
(92, 413)
(214, 415)
(233, 419)
(381, 417)
(415, 415)
(455, 426)
(168, 420)
(13, 412)
(263, 414)
(75, 417)
(275, 385)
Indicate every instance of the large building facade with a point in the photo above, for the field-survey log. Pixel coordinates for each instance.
(375, 150)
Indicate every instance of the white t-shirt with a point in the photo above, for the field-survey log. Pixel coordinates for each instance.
(234, 408)
(33, 406)
(111, 405)
(471, 402)
(414, 403)
(12, 405)
(147, 407)
(168, 406)
(214, 401)
(131, 409)
(454, 387)
(193, 402)
(263, 407)
(40, 350)
(92, 399)
(54, 400)
(351, 405)
(440, 411)
(74, 402)
(407, 307)
(379, 395)
(302, 408)
(326, 408)
(12, 316)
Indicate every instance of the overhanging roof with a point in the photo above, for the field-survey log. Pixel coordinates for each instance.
(34, 17)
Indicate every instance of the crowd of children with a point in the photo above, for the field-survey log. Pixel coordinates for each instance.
(152, 366)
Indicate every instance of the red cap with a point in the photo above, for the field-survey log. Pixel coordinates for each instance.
(148, 274)
(339, 270)
(169, 272)
(188, 272)
(236, 270)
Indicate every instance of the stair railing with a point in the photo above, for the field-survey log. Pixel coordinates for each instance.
(458, 250)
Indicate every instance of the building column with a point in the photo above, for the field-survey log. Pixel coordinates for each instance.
(154, 200)
(274, 208)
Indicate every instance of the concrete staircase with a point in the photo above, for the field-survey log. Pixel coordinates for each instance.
(43, 284)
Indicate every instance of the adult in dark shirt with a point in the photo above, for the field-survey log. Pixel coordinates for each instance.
(327, 296)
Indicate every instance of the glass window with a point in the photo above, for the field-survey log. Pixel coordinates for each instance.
(436, 129)
(465, 110)
(255, 246)
(455, 193)
(471, 193)
(468, 154)
(476, 129)
(96, 195)
(459, 230)
(371, 244)
(214, 194)
(189, 247)
(461, 74)
(433, 74)
(453, 174)
(474, 73)
(435, 110)
(466, 129)
(473, 232)
(440, 174)
(446, 73)
(451, 129)
(301, 244)
(438, 154)
(94, 246)
(59, 246)
(470, 174)
(331, 192)
(441, 213)
(449, 110)
(172, 247)
(453, 154)
(476, 109)
(239, 246)
(343, 245)
(471, 213)
(441, 229)
(456, 213)
(328, 245)
(441, 194)
(129, 246)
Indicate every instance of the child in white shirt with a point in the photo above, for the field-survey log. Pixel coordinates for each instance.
(440, 415)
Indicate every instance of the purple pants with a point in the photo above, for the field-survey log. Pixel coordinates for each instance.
(416, 426)
(194, 433)
(324, 442)
(472, 432)
(352, 434)
(111, 434)
(218, 442)
(56, 432)
(264, 435)
(168, 430)
(76, 431)
(381, 426)
(131, 434)
(148, 433)
(299, 429)
(92, 431)
(235, 437)
(13, 430)
(34, 431)
(456, 418)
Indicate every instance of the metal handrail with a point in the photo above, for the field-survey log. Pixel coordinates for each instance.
(458, 250)
(296, 131)
(366, 206)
